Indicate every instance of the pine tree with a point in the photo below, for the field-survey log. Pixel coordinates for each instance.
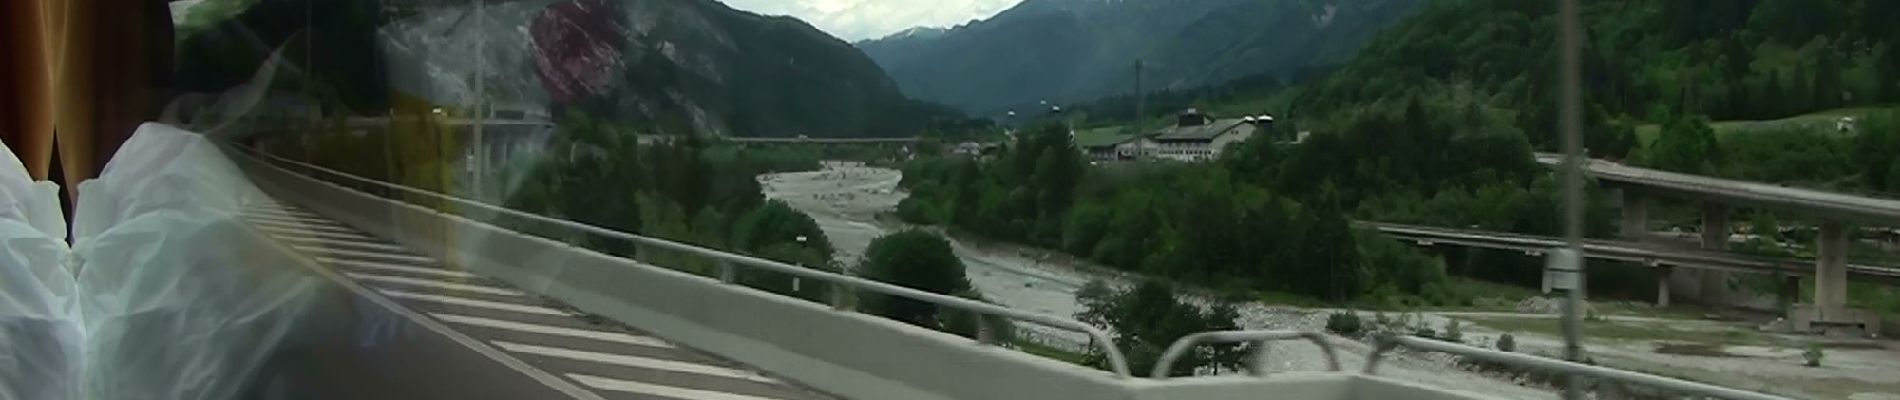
(1887, 74)
(1772, 98)
(1800, 88)
(1827, 81)
(1734, 73)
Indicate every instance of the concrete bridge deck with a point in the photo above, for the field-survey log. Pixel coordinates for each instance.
(1807, 201)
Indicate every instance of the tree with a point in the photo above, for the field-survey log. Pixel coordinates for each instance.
(1887, 72)
(1397, 269)
(778, 223)
(1687, 145)
(1827, 80)
(600, 164)
(1800, 94)
(1876, 148)
(1893, 176)
(915, 259)
(1791, 21)
(1772, 97)
(777, 232)
(1606, 137)
(1148, 318)
(1735, 67)
(1321, 258)
(791, 253)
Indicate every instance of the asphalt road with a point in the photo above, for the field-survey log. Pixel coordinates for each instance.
(615, 362)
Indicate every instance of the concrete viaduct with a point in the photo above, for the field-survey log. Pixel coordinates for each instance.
(1634, 187)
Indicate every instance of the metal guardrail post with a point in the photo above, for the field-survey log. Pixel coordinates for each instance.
(1257, 359)
(727, 273)
(984, 333)
(841, 298)
(843, 285)
(1386, 344)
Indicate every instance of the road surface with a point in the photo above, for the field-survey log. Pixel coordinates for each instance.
(611, 361)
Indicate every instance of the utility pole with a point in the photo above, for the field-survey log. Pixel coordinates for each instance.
(1567, 263)
(480, 170)
(1141, 110)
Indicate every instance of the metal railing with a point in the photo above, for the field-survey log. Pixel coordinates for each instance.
(1570, 368)
(1258, 357)
(1117, 363)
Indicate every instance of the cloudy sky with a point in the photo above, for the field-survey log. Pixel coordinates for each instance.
(855, 20)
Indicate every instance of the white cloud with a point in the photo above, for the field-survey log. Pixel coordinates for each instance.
(855, 20)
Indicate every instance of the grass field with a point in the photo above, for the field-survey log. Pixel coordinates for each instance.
(1824, 120)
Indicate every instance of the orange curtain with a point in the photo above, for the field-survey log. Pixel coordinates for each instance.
(81, 75)
(112, 71)
(26, 105)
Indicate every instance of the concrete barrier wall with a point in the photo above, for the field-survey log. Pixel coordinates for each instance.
(1288, 385)
(845, 353)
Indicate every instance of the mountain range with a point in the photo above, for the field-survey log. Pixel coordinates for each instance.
(1072, 50)
(660, 66)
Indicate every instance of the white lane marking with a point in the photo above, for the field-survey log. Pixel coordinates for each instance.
(634, 361)
(351, 243)
(282, 219)
(520, 308)
(306, 232)
(403, 257)
(278, 207)
(616, 337)
(283, 231)
(395, 267)
(657, 390)
(434, 284)
(294, 220)
(274, 221)
(299, 216)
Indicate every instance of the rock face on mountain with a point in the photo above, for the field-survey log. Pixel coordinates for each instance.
(672, 66)
(1069, 50)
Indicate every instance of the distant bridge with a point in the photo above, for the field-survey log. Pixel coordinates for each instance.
(1631, 186)
(1650, 255)
(1654, 256)
(807, 140)
(1829, 205)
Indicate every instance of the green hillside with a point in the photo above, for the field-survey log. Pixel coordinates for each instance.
(1071, 50)
(1645, 62)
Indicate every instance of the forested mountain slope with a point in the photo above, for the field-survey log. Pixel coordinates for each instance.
(1069, 50)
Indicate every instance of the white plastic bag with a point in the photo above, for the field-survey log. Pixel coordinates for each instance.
(40, 336)
(181, 299)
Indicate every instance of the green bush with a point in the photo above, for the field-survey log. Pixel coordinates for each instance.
(915, 259)
(1506, 343)
(1813, 355)
(1147, 318)
(1453, 333)
(1345, 323)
